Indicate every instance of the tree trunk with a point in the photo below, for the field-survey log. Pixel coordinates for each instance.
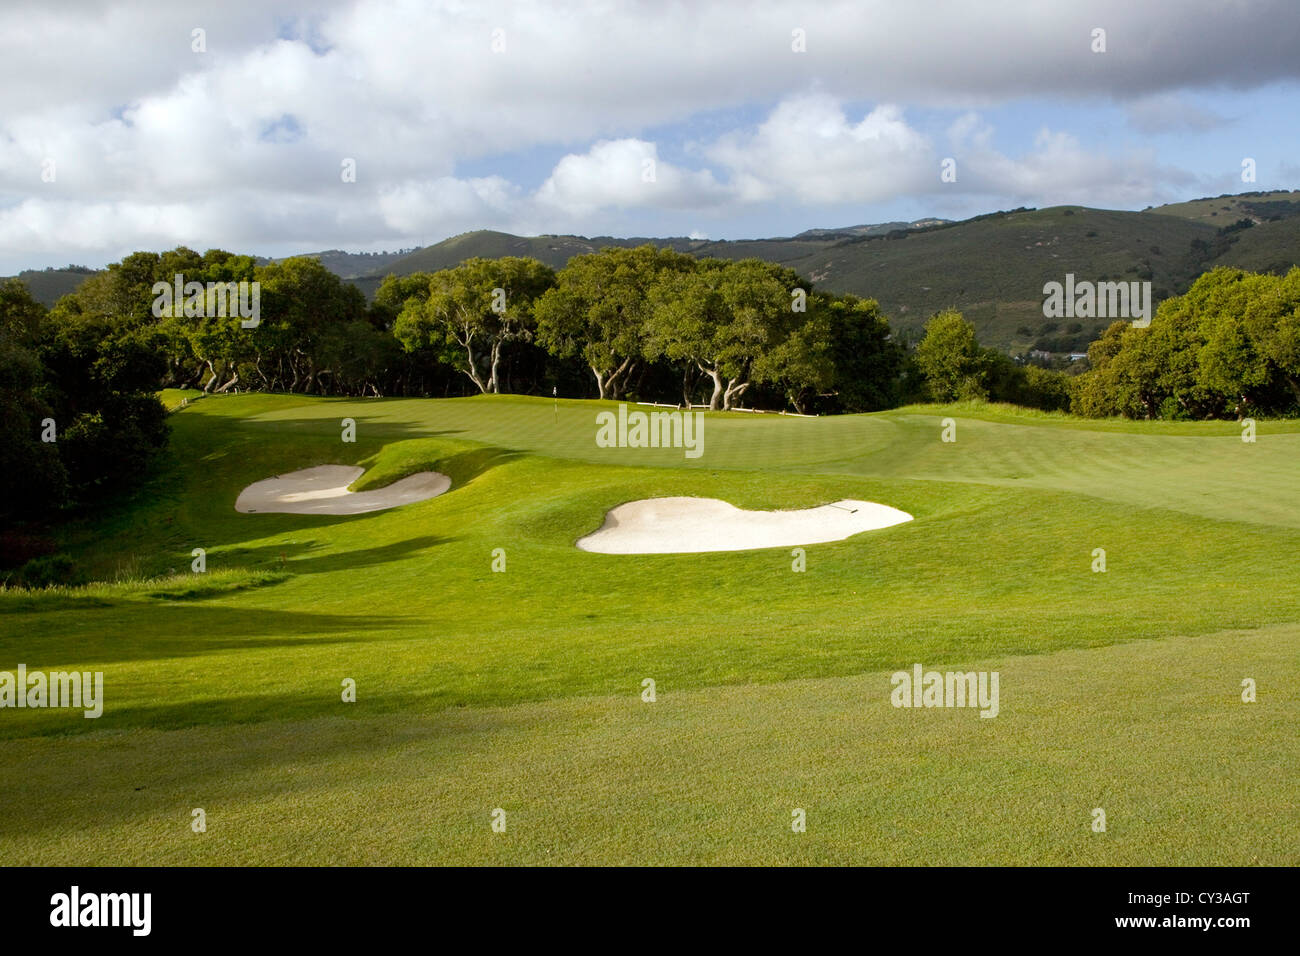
(732, 394)
(494, 383)
(609, 387)
(1294, 383)
(471, 363)
(715, 400)
(639, 387)
(623, 376)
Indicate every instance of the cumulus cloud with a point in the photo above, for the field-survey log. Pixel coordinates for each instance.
(626, 173)
(1059, 167)
(450, 203)
(810, 151)
(243, 141)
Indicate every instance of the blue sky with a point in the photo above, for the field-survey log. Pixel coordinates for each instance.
(228, 124)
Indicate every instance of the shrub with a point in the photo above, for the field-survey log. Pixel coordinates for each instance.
(51, 570)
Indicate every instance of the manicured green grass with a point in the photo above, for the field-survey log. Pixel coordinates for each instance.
(1153, 733)
(520, 688)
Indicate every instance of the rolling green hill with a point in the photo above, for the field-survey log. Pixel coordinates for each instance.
(522, 689)
(352, 265)
(1266, 247)
(992, 267)
(1221, 210)
(48, 285)
(872, 229)
(555, 251)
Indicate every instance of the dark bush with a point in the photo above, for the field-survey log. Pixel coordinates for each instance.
(51, 570)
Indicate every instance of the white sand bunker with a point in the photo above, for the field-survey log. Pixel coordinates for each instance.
(690, 525)
(323, 490)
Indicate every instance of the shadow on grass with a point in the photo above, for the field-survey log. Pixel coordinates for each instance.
(371, 432)
(149, 630)
(230, 527)
(229, 746)
(298, 559)
(265, 566)
(464, 467)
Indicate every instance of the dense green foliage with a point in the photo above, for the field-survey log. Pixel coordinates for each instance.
(651, 324)
(32, 476)
(637, 323)
(955, 367)
(79, 415)
(990, 267)
(1229, 348)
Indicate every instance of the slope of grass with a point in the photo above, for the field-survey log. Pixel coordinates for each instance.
(1155, 734)
(1223, 210)
(47, 286)
(461, 670)
(1267, 247)
(994, 269)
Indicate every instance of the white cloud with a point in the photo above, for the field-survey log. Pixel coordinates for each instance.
(447, 204)
(153, 141)
(809, 151)
(1058, 169)
(625, 173)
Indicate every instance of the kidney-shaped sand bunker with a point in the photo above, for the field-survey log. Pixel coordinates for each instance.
(692, 525)
(323, 490)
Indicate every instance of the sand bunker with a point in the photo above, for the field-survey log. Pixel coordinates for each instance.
(691, 525)
(323, 490)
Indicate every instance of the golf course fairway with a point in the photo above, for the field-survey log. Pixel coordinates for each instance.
(1126, 580)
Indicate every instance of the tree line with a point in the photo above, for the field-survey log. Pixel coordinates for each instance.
(650, 324)
(1228, 348)
(641, 323)
(644, 324)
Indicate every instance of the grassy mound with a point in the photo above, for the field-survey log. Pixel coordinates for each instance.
(479, 687)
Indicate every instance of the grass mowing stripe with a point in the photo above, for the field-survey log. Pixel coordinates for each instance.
(712, 776)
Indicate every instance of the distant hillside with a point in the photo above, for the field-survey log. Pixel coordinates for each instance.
(876, 229)
(555, 251)
(1220, 210)
(1268, 247)
(48, 285)
(992, 267)
(352, 265)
